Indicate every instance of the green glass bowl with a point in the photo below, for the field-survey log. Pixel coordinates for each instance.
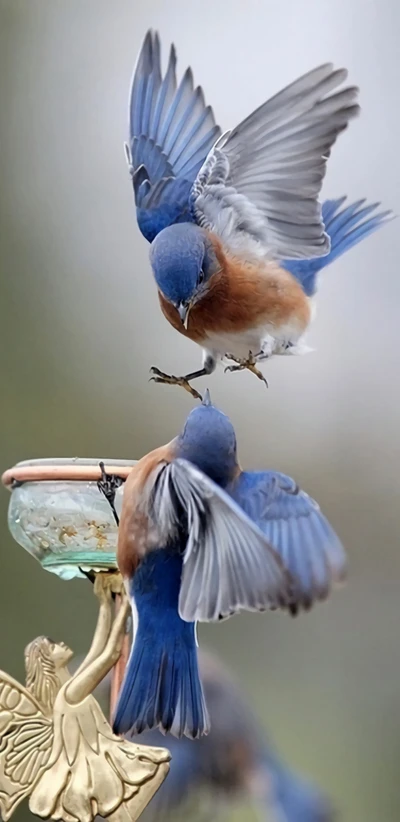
(59, 515)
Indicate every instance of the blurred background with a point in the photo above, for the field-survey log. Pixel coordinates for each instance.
(80, 327)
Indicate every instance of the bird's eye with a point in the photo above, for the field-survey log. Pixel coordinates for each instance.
(201, 277)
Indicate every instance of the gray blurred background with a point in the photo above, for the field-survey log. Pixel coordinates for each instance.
(80, 327)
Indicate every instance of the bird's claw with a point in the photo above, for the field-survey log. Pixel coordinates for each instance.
(108, 485)
(249, 364)
(169, 379)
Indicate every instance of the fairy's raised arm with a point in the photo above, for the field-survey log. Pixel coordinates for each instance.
(107, 642)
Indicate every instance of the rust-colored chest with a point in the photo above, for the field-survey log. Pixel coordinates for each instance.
(134, 526)
(240, 296)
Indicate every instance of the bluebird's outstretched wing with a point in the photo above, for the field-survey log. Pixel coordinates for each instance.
(259, 187)
(346, 227)
(293, 523)
(171, 131)
(228, 563)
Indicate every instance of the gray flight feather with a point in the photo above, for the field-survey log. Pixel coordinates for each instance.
(258, 188)
(229, 565)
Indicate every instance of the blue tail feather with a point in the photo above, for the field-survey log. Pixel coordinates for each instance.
(162, 687)
(346, 227)
(330, 207)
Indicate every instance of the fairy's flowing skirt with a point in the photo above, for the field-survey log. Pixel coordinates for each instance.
(91, 771)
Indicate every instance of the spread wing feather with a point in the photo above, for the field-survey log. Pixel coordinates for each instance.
(171, 131)
(229, 564)
(258, 188)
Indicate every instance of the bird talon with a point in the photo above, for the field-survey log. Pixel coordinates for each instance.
(169, 379)
(158, 373)
(249, 364)
(233, 368)
(258, 374)
(108, 485)
(232, 357)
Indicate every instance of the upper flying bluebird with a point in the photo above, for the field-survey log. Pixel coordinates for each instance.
(235, 762)
(199, 540)
(222, 212)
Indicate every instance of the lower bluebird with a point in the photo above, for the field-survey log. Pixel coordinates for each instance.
(199, 540)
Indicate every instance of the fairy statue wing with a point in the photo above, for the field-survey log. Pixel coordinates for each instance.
(26, 738)
(171, 131)
(259, 187)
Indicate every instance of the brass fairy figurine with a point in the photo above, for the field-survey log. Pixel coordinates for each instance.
(56, 745)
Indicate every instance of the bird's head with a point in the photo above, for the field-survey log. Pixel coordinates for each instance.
(208, 440)
(183, 259)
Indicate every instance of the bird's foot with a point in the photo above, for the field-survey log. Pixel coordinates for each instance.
(169, 379)
(108, 485)
(249, 364)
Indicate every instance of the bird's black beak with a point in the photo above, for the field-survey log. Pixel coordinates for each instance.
(183, 311)
(207, 398)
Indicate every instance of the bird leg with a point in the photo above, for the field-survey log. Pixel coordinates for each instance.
(108, 485)
(249, 364)
(209, 365)
(184, 382)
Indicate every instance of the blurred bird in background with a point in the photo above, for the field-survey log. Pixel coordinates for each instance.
(199, 540)
(222, 212)
(235, 763)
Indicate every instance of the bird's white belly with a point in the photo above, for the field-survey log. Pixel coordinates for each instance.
(237, 344)
(267, 338)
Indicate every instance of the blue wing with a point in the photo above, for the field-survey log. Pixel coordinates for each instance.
(346, 227)
(228, 564)
(296, 528)
(171, 131)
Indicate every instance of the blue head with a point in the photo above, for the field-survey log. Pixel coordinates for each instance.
(183, 260)
(208, 441)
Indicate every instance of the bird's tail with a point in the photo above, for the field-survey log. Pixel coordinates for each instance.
(162, 687)
(291, 797)
(346, 227)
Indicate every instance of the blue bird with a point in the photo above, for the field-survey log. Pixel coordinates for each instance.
(223, 211)
(199, 540)
(236, 762)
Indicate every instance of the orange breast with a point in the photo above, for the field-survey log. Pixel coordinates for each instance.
(242, 295)
(134, 525)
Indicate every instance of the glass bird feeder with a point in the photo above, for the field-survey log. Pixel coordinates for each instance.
(60, 516)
